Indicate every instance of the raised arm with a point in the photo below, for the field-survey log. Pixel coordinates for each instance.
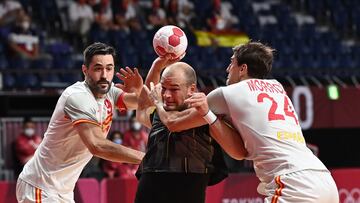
(94, 139)
(158, 65)
(132, 86)
(227, 136)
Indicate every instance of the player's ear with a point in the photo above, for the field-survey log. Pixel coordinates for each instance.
(192, 88)
(243, 70)
(84, 69)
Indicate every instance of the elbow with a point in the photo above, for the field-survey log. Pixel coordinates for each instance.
(171, 127)
(95, 149)
(239, 155)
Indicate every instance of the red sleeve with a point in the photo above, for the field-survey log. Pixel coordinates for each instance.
(120, 103)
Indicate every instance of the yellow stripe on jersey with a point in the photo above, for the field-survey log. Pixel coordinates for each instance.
(85, 121)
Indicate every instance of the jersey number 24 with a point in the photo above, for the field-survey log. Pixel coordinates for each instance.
(274, 105)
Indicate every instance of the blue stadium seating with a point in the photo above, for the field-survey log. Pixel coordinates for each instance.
(62, 55)
(3, 62)
(301, 47)
(28, 81)
(9, 81)
(71, 78)
(19, 63)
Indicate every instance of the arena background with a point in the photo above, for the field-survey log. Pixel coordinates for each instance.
(317, 58)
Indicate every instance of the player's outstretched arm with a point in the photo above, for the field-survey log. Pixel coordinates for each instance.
(93, 137)
(227, 137)
(132, 86)
(175, 121)
(159, 64)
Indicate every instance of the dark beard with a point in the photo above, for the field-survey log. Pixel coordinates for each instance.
(95, 87)
(177, 108)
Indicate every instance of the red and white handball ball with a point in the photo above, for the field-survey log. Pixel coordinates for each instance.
(170, 40)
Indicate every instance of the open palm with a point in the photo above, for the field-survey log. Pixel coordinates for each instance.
(133, 81)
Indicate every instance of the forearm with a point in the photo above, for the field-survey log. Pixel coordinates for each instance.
(228, 139)
(118, 153)
(177, 121)
(131, 100)
(153, 74)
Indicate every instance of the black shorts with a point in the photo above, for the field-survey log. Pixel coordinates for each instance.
(172, 188)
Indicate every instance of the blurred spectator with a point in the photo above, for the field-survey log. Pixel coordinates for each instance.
(180, 13)
(186, 14)
(9, 10)
(115, 169)
(127, 14)
(116, 137)
(103, 13)
(136, 137)
(24, 43)
(156, 16)
(221, 18)
(26, 143)
(172, 10)
(81, 17)
(22, 40)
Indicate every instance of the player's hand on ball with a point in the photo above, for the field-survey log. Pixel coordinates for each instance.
(133, 81)
(164, 61)
(199, 102)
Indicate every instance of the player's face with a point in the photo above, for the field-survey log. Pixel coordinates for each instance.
(100, 73)
(233, 72)
(174, 91)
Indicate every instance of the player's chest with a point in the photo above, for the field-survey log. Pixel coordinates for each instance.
(104, 113)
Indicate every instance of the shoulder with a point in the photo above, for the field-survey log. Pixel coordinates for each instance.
(78, 95)
(76, 87)
(242, 86)
(114, 91)
(216, 93)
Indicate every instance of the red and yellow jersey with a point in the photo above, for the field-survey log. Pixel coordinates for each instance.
(60, 158)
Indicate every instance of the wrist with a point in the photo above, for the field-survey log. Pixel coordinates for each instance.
(210, 117)
(158, 104)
